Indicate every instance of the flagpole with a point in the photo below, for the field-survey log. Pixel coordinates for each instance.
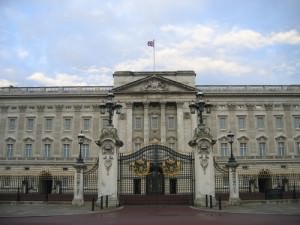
(153, 55)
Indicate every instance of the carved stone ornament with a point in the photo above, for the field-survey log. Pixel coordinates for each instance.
(109, 133)
(171, 167)
(155, 85)
(108, 159)
(203, 151)
(204, 162)
(141, 167)
(201, 132)
(108, 149)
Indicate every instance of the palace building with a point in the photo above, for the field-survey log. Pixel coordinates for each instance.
(39, 129)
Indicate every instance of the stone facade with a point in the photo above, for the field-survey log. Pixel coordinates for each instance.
(39, 125)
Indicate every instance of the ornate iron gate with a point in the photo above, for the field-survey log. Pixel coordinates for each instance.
(156, 170)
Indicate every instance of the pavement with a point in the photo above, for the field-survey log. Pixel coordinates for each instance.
(47, 209)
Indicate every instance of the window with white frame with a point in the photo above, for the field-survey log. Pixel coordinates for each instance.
(9, 150)
(242, 122)
(86, 123)
(243, 149)
(297, 122)
(260, 122)
(280, 148)
(154, 122)
(49, 124)
(67, 123)
(172, 145)
(137, 123)
(28, 151)
(262, 148)
(47, 151)
(12, 124)
(66, 151)
(171, 123)
(30, 124)
(224, 149)
(278, 122)
(222, 122)
(85, 151)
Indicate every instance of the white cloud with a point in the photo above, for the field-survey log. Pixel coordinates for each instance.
(7, 83)
(22, 53)
(290, 37)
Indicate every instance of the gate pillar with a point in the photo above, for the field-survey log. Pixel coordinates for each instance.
(78, 185)
(109, 144)
(202, 144)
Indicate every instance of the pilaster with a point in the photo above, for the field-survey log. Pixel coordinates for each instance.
(180, 127)
(163, 123)
(146, 123)
(128, 145)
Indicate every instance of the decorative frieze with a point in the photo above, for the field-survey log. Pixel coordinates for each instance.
(22, 108)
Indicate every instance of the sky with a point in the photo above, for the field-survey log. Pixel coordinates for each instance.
(83, 42)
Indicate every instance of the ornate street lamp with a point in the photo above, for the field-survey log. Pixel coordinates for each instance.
(81, 138)
(110, 106)
(200, 106)
(230, 137)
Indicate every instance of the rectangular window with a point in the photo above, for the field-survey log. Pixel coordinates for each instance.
(137, 146)
(9, 151)
(29, 124)
(67, 123)
(49, 123)
(12, 123)
(297, 121)
(298, 147)
(280, 146)
(260, 123)
(66, 151)
(47, 149)
(242, 123)
(6, 181)
(28, 151)
(171, 123)
(172, 145)
(137, 123)
(154, 122)
(222, 123)
(86, 123)
(278, 122)
(85, 151)
(224, 149)
(105, 122)
(262, 149)
(243, 149)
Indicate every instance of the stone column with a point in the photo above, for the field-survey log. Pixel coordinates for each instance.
(202, 144)
(109, 144)
(234, 198)
(78, 199)
(129, 122)
(163, 123)
(180, 127)
(146, 123)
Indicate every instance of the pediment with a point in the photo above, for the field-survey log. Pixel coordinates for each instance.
(154, 84)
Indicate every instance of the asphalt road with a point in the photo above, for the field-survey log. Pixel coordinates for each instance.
(158, 215)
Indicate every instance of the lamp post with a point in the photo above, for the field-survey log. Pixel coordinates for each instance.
(200, 106)
(81, 138)
(110, 106)
(230, 137)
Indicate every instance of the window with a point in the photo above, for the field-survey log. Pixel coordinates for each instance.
(28, 151)
(280, 146)
(154, 122)
(171, 123)
(278, 122)
(243, 149)
(49, 123)
(67, 123)
(29, 124)
(137, 123)
(66, 151)
(47, 148)
(85, 151)
(6, 181)
(260, 124)
(86, 123)
(242, 123)
(224, 149)
(172, 145)
(262, 149)
(222, 123)
(9, 151)
(298, 147)
(137, 146)
(12, 123)
(105, 122)
(297, 121)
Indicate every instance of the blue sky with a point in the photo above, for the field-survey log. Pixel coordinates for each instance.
(76, 42)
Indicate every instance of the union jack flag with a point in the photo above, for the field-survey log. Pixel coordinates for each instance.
(150, 43)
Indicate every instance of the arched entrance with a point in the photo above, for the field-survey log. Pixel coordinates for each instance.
(156, 174)
(45, 182)
(264, 180)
